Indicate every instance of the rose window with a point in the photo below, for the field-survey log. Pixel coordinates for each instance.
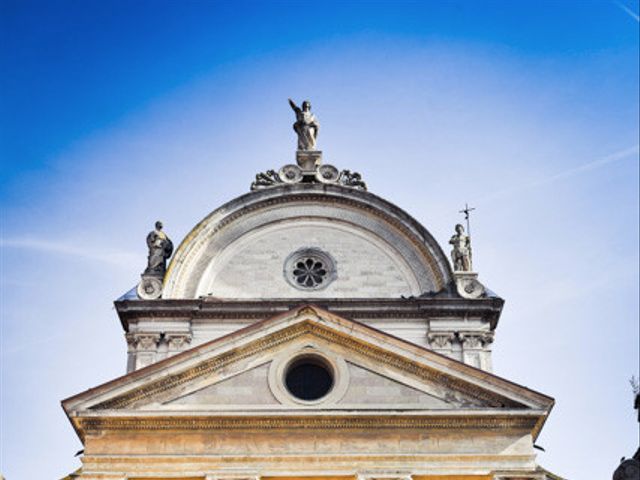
(309, 269)
(309, 273)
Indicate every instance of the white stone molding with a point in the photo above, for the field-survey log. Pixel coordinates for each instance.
(384, 475)
(520, 476)
(232, 476)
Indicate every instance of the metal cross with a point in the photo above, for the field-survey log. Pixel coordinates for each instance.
(466, 212)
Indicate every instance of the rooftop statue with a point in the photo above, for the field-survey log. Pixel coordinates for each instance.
(308, 167)
(461, 253)
(160, 249)
(306, 126)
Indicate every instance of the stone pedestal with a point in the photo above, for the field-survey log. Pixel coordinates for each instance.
(309, 160)
(150, 287)
(468, 285)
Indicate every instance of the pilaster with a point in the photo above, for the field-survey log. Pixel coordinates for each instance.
(177, 342)
(476, 348)
(142, 349)
(441, 342)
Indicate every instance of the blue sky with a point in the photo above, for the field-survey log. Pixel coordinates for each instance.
(114, 114)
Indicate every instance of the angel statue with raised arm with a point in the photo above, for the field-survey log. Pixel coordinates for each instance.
(306, 126)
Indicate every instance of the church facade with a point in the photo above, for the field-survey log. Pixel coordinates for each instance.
(309, 329)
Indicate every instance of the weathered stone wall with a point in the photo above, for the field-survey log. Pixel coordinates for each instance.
(252, 267)
(312, 452)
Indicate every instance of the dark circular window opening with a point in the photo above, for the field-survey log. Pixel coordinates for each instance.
(309, 378)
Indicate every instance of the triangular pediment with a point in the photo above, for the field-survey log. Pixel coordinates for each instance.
(247, 371)
(364, 389)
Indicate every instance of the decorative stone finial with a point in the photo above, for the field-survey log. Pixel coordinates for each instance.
(160, 249)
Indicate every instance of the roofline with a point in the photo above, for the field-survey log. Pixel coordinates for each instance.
(489, 308)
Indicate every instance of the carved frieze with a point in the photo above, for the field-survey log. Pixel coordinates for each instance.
(97, 424)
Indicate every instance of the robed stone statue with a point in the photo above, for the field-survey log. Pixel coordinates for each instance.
(160, 249)
(306, 126)
(461, 253)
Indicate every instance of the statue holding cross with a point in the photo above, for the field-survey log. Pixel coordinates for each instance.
(461, 252)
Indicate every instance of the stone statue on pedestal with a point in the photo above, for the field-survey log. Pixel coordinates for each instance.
(160, 249)
(306, 126)
(461, 253)
(308, 167)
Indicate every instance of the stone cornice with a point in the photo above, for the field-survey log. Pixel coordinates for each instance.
(91, 424)
(388, 308)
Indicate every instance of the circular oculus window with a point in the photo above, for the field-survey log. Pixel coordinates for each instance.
(309, 378)
(309, 269)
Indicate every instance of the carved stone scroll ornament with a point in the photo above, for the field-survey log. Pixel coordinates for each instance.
(147, 342)
(177, 342)
(440, 340)
(468, 285)
(351, 179)
(294, 174)
(149, 288)
(290, 174)
(327, 174)
(476, 340)
(266, 179)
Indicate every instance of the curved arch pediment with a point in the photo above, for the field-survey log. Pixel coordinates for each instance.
(241, 249)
